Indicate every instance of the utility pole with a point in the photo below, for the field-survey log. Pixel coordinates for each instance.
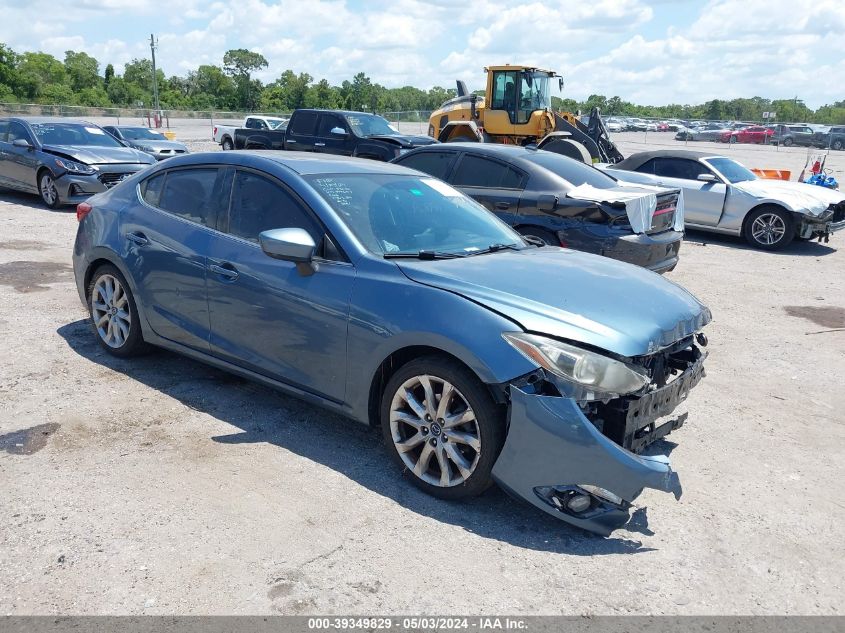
(153, 46)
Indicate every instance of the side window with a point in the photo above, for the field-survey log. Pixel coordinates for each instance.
(255, 124)
(435, 164)
(647, 167)
(679, 168)
(4, 129)
(475, 171)
(192, 194)
(151, 189)
(327, 123)
(304, 123)
(259, 204)
(504, 91)
(16, 131)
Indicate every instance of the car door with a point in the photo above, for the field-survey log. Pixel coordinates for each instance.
(330, 142)
(5, 178)
(165, 239)
(301, 132)
(270, 316)
(20, 164)
(493, 183)
(703, 201)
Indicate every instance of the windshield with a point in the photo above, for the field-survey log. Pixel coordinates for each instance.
(138, 133)
(731, 170)
(572, 171)
(73, 134)
(369, 125)
(536, 93)
(395, 214)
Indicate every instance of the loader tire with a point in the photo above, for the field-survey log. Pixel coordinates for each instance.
(569, 148)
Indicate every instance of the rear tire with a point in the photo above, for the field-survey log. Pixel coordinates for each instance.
(570, 149)
(447, 449)
(463, 138)
(837, 145)
(787, 142)
(547, 236)
(114, 315)
(227, 144)
(769, 228)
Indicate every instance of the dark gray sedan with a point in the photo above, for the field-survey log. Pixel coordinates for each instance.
(561, 201)
(388, 296)
(63, 160)
(153, 143)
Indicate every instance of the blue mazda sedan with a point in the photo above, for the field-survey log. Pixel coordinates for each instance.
(390, 297)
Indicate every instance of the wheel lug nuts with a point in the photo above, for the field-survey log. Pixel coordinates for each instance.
(433, 442)
(424, 430)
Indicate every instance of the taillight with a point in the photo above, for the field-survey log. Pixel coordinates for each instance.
(82, 209)
(214, 132)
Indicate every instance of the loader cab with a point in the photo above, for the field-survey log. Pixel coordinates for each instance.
(521, 91)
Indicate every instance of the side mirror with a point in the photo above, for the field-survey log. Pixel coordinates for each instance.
(22, 142)
(706, 178)
(546, 202)
(292, 245)
(339, 131)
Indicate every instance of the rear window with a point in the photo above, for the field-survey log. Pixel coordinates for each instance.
(4, 128)
(192, 194)
(432, 163)
(572, 171)
(475, 171)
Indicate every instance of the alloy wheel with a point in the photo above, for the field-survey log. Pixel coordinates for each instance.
(48, 190)
(435, 431)
(110, 311)
(768, 229)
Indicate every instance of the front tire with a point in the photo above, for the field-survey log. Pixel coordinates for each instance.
(114, 315)
(787, 142)
(442, 427)
(769, 228)
(837, 145)
(547, 236)
(47, 189)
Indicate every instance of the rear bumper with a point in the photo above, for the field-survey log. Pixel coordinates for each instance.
(552, 449)
(656, 252)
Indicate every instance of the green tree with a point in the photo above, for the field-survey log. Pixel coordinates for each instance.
(8, 70)
(240, 63)
(96, 96)
(321, 95)
(109, 74)
(40, 73)
(82, 70)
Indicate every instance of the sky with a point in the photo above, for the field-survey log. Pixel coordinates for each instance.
(646, 51)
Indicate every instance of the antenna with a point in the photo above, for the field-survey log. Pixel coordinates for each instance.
(153, 47)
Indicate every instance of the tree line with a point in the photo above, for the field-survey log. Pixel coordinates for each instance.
(37, 77)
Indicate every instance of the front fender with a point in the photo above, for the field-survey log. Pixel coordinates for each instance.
(551, 446)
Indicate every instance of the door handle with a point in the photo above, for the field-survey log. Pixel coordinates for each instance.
(138, 238)
(290, 142)
(319, 144)
(226, 271)
(503, 205)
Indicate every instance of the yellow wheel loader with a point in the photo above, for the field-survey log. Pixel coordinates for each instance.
(516, 109)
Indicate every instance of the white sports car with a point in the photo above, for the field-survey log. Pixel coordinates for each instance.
(722, 196)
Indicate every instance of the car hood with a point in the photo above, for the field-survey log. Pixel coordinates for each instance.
(797, 196)
(590, 299)
(403, 140)
(157, 145)
(90, 155)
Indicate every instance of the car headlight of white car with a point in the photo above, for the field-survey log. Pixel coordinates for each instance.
(597, 374)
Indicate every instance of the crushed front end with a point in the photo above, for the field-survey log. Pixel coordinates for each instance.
(820, 227)
(576, 453)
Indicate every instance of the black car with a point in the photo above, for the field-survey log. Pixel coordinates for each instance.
(559, 200)
(339, 132)
(63, 160)
(834, 138)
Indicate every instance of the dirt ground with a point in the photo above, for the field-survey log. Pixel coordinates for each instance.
(159, 485)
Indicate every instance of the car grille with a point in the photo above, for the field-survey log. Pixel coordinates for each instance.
(664, 213)
(111, 179)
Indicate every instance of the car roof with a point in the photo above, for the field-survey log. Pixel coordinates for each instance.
(48, 119)
(635, 160)
(301, 163)
(335, 111)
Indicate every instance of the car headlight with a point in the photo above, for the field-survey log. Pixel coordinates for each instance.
(598, 374)
(74, 167)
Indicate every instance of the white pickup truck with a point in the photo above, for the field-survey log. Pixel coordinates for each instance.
(225, 134)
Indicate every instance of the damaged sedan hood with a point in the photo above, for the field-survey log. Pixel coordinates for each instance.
(797, 196)
(403, 140)
(595, 300)
(92, 155)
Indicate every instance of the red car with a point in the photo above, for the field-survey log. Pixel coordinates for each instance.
(753, 134)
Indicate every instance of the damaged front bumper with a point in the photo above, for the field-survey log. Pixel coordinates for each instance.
(558, 460)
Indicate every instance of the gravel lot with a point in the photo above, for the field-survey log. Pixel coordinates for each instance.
(159, 485)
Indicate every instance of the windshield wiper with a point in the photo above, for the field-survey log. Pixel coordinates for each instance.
(493, 248)
(425, 255)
